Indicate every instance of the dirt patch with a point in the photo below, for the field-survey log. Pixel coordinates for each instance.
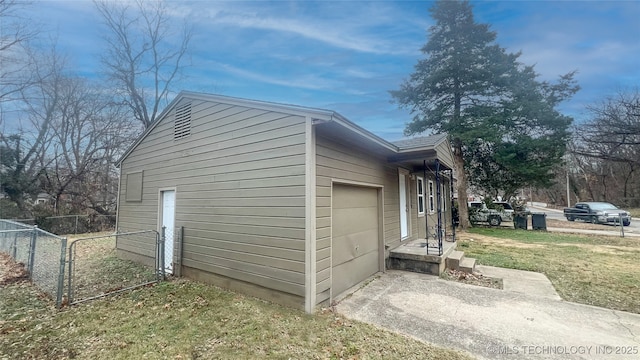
(496, 241)
(603, 249)
(579, 225)
(472, 279)
(11, 271)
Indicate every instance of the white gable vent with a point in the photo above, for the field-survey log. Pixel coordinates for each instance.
(182, 124)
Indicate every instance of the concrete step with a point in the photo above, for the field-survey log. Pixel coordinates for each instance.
(468, 265)
(414, 256)
(454, 259)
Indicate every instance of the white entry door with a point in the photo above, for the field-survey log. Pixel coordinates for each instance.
(404, 209)
(168, 222)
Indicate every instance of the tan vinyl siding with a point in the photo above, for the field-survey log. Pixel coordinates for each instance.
(335, 160)
(240, 192)
(445, 155)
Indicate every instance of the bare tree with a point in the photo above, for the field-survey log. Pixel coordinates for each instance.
(613, 132)
(606, 150)
(88, 133)
(29, 146)
(144, 54)
(15, 31)
(75, 134)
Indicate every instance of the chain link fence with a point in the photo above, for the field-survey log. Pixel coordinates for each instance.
(96, 269)
(73, 224)
(42, 253)
(15, 239)
(88, 268)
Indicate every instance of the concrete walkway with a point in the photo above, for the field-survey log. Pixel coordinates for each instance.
(524, 321)
(520, 281)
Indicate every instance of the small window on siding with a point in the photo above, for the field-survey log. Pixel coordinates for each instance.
(134, 186)
(420, 192)
(432, 207)
(182, 123)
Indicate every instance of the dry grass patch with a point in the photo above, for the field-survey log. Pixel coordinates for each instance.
(577, 225)
(595, 270)
(605, 249)
(187, 320)
(97, 269)
(635, 212)
(471, 237)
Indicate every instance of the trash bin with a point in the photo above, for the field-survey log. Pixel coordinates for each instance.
(539, 221)
(520, 221)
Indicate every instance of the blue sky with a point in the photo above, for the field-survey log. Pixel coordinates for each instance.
(346, 55)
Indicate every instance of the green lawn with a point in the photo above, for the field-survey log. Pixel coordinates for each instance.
(595, 270)
(187, 320)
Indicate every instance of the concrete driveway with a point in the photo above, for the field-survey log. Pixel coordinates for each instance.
(527, 320)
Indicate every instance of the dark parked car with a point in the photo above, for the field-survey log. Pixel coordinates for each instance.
(597, 213)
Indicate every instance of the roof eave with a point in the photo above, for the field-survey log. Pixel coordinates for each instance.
(339, 119)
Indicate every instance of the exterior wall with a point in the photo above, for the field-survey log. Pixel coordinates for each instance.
(335, 160)
(445, 155)
(240, 194)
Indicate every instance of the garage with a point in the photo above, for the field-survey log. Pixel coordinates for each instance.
(355, 235)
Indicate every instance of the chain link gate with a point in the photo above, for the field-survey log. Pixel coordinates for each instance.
(97, 270)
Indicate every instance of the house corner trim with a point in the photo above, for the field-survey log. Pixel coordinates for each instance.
(310, 216)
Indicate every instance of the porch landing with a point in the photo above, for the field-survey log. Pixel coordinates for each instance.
(413, 256)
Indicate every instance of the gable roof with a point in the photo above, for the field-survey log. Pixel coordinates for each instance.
(313, 113)
(316, 114)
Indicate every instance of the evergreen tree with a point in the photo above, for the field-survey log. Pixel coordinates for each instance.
(502, 122)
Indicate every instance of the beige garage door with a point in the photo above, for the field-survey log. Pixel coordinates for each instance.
(355, 249)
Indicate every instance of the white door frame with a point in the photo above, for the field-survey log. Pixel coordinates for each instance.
(404, 204)
(169, 241)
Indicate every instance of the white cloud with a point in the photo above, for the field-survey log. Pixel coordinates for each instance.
(353, 32)
(328, 36)
(306, 81)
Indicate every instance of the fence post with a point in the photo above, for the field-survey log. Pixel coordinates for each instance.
(162, 242)
(160, 256)
(76, 230)
(621, 225)
(15, 246)
(70, 277)
(63, 252)
(178, 267)
(32, 249)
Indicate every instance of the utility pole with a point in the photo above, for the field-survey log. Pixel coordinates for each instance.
(568, 194)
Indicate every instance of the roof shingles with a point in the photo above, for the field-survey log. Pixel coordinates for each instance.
(419, 142)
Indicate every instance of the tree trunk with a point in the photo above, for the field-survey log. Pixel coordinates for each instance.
(463, 211)
(626, 184)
